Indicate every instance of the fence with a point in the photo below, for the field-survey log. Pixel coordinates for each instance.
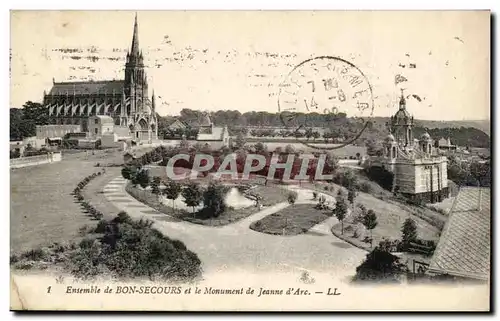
(35, 160)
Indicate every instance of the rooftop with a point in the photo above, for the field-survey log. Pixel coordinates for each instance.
(464, 247)
(87, 87)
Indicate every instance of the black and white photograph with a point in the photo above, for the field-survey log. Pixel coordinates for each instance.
(250, 160)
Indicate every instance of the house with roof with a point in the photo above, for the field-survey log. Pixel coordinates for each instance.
(212, 136)
(464, 249)
(445, 144)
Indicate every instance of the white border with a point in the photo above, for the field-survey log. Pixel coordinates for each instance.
(190, 5)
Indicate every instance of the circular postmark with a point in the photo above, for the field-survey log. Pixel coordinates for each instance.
(327, 90)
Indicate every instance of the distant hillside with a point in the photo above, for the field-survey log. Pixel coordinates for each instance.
(462, 133)
(482, 125)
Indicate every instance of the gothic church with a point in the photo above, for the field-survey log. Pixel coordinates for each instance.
(125, 101)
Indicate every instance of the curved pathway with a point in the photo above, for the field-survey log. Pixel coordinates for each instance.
(237, 247)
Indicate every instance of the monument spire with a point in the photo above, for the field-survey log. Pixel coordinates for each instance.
(402, 101)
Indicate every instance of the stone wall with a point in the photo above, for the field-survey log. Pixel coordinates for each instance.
(35, 160)
(51, 131)
(429, 197)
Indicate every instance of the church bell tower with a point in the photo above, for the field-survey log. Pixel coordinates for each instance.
(136, 85)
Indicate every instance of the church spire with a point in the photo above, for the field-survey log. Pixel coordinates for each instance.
(153, 102)
(134, 50)
(402, 101)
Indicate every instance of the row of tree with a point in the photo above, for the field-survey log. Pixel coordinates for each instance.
(212, 197)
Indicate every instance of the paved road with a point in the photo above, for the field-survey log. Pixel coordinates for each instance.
(236, 247)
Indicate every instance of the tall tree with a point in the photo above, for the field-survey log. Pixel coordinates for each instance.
(214, 199)
(370, 222)
(340, 211)
(409, 232)
(193, 195)
(155, 185)
(240, 141)
(351, 195)
(172, 191)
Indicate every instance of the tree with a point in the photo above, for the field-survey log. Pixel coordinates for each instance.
(23, 121)
(308, 133)
(370, 222)
(184, 144)
(141, 178)
(155, 185)
(260, 148)
(214, 200)
(373, 147)
(340, 211)
(351, 195)
(172, 191)
(409, 232)
(380, 266)
(289, 149)
(292, 197)
(316, 135)
(240, 141)
(480, 173)
(193, 195)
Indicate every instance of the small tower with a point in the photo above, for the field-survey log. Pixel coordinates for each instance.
(426, 144)
(390, 147)
(402, 125)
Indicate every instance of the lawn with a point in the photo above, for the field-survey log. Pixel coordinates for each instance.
(229, 216)
(42, 209)
(342, 152)
(292, 220)
(390, 218)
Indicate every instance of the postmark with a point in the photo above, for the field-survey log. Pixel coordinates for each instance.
(331, 89)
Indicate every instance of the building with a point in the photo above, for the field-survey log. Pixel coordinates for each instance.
(445, 144)
(177, 124)
(100, 125)
(210, 135)
(125, 101)
(464, 249)
(419, 172)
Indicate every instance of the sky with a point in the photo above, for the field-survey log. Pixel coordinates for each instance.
(236, 60)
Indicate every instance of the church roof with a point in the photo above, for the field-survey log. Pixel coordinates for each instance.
(402, 113)
(464, 247)
(87, 87)
(205, 120)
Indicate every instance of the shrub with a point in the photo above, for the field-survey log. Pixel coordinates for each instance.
(14, 258)
(35, 254)
(134, 249)
(101, 226)
(292, 197)
(365, 187)
(99, 215)
(380, 266)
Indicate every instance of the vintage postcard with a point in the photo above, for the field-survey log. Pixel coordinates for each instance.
(250, 160)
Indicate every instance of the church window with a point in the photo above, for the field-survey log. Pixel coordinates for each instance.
(96, 121)
(96, 130)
